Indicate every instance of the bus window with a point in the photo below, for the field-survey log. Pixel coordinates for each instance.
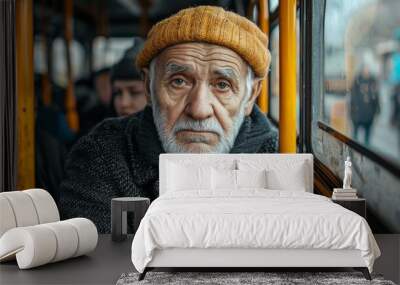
(107, 51)
(353, 103)
(273, 5)
(59, 61)
(362, 73)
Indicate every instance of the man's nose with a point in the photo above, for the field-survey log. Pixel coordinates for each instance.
(199, 104)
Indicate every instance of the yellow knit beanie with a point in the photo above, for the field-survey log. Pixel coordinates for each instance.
(213, 25)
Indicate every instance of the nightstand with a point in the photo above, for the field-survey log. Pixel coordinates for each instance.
(358, 206)
(119, 209)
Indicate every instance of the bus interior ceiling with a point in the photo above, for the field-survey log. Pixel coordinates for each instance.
(111, 18)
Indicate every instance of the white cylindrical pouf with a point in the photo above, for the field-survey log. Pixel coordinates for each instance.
(87, 233)
(7, 218)
(23, 208)
(45, 206)
(67, 239)
(40, 244)
(34, 245)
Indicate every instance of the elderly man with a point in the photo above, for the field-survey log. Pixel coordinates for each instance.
(202, 70)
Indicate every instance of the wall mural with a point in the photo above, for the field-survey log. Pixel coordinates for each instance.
(200, 99)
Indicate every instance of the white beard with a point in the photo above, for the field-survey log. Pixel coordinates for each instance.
(168, 138)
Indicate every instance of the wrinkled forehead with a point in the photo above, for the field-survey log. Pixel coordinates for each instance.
(200, 56)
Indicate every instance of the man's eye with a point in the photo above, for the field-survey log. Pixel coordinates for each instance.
(222, 85)
(178, 82)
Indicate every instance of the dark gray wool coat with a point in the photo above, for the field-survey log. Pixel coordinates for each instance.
(119, 157)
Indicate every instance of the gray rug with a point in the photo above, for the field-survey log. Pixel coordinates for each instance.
(229, 278)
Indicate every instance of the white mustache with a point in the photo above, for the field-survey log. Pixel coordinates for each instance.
(207, 125)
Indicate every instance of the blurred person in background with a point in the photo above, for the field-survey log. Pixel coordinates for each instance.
(128, 94)
(364, 103)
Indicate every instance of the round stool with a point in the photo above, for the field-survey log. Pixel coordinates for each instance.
(119, 208)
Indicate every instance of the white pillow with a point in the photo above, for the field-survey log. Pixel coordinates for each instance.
(183, 178)
(223, 179)
(251, 178)
(282, 174)
(227, 179)
(292, 179)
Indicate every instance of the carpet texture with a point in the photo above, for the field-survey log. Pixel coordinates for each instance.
(242, 278)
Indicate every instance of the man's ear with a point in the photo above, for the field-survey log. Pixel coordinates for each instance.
(255, 91)
(146, 80)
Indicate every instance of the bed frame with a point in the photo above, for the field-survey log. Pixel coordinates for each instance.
(249, 259)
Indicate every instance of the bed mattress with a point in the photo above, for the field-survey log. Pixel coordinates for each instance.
(251, 219)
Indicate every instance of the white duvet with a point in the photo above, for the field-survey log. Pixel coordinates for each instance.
(253, 218)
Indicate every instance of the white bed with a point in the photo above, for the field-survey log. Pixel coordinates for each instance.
(250, 226)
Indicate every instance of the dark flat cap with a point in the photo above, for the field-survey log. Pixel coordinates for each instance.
(125, 68)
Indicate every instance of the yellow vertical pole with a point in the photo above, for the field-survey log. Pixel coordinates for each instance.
(287, 76)
(25, 95)
(263, 19)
